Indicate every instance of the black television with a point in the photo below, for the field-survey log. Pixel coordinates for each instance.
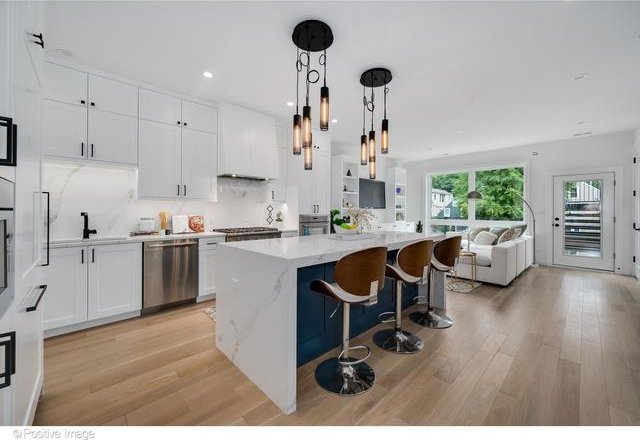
(372, 194)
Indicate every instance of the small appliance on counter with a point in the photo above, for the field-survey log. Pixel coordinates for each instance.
(146, 225)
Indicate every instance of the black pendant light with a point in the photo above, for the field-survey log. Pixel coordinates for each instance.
(310, 36)
(297, 119)
(373, 78)
(364, 153)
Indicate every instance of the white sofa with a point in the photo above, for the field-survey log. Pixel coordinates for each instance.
(500, 263)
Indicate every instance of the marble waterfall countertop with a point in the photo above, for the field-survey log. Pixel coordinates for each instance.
(256, 302)
(318, 249)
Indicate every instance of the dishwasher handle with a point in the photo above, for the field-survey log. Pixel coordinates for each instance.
(170, 245)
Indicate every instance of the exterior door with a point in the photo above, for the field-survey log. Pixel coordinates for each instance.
(583, 221)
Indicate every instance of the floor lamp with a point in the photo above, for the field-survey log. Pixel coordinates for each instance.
(472, 195)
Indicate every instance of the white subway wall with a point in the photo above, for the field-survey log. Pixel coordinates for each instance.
(614, 150)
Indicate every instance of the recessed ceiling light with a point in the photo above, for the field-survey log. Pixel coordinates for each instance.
(207, 74)
(584, 133)
(290, 104)
(333, 121)
(579, 76)
(581, 122)
(233, 175)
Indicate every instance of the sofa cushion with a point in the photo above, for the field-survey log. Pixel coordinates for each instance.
(483, 256)
(473, 232)
(485, 238)
(507, 235)
(498, 230)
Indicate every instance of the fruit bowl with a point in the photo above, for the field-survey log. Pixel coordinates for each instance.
(343, 231)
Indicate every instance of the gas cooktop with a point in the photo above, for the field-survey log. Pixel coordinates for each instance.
(254, 233)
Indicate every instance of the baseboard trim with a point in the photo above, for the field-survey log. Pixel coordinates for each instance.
(89, 324)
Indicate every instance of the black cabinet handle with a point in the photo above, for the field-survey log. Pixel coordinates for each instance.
(33, 308)
(184, 187)
(48, 217)
(82, 101)
(93, 255)
(184, 123)
(81, 256)
(93, 104)
(39, 39)
(178, 190)
(178, 122)
(91, 150)
(556, 225)
(8, 342)
(82, 149)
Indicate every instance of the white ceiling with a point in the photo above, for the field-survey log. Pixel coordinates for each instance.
(467, 76)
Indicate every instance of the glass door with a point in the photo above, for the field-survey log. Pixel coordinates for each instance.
(583, 223)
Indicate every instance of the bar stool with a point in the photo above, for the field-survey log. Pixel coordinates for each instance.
(445, 258)
(411, 267)
(359, 278)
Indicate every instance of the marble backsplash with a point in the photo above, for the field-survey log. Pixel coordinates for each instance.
(109, 195)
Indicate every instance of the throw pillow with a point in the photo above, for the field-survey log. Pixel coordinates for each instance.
(485, 238)
(473, 232)
(497, 231)
(507, 235)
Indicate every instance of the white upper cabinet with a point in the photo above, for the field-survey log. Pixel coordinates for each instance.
(249, 147)
(112, 137)
(199, 157)
(89, 117)
(159, 160)
(112, 96)
(159, 107)
(314, 185)
(199, 117)
(64, 130)
(64, 84)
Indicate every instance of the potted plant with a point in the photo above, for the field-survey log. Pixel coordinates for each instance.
(336, 219)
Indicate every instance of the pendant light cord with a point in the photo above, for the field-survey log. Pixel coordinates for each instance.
(386, 90)
(298, 69)
(372, 107)
(308, 83)
(364, 108)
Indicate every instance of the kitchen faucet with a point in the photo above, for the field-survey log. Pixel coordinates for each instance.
(86, 231)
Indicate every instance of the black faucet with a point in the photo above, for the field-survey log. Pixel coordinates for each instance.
(86, 231)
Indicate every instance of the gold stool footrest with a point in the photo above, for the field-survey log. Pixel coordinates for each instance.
(346, 363)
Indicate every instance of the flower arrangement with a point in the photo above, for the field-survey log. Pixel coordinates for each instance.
(361, 216)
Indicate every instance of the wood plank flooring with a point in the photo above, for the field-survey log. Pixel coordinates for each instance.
(557, 347)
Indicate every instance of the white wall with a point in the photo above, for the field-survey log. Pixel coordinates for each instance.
(636, 205)
(560, 157)
(109, 195)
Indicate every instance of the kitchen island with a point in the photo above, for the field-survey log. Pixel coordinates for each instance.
(268, 321)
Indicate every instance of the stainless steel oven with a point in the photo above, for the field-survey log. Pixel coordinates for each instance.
(314, 224)
(6, 243)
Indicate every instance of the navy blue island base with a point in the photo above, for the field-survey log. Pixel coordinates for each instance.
(318, 332)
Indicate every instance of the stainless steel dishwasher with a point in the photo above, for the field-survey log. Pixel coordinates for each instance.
(170, 271)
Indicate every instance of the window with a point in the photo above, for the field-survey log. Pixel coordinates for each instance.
(449, 196)
(502, 190)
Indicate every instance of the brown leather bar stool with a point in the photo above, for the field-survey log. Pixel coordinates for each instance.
(359, 278)
(445, 258)
(411, 267)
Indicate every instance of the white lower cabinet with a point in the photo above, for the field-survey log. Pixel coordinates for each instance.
(92, 282)
(115, 280)
(65, 302)
(207, 266)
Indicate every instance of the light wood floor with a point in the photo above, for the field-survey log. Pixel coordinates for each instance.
(557, 347)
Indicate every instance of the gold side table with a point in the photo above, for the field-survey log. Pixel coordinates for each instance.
(453, 284)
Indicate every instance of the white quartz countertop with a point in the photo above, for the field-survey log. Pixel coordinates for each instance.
(318, 249)
(136, 239)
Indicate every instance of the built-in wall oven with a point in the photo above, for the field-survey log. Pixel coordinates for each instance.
(314, 224)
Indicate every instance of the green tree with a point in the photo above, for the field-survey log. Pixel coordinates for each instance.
(458, 185)
(501, 190)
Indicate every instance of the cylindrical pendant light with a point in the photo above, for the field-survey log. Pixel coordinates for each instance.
(324, 108)
(384, 137)
(297, 134)
(363, 150)
(306, 126)
(384, 132)
(372, 154)
(308, 157)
